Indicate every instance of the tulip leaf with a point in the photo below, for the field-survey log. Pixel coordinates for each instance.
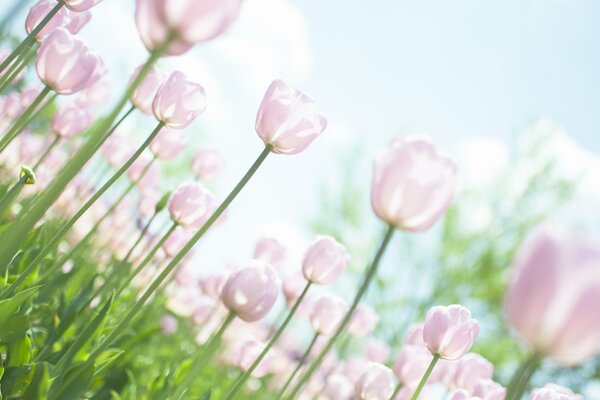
(10, 305)
(19, 352)
(40, 383)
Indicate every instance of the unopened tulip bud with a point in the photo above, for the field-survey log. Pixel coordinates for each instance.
(288, 119)
(449, 331)
(413, 184)
(471, 369)
(26, 175)
(251, 291)
(162, 203)
(411, 364)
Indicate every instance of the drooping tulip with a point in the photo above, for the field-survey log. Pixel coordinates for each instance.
(554, 292)
(65, 63)
(207, 164)
(324, 261)
(327, 313)
(413, 184)
(190, 205)
(143, 96)
(251, 291)
(449, 331)
(288, 119)
(80, 5)
(270, 250)
(554, 392)
(39, 11)
(178, 101)
(376, 383)
(168, 144)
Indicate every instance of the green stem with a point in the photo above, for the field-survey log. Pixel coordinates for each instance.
(21, 123)
(27, 220)
(31, 37)
(65, 228)
(11, 195)
(370, 274)
(242, 379)
(204, 357)
(299, 366)
(519, 381)
(15, 69)
(396, 391)
(417, 392)
(47, 152)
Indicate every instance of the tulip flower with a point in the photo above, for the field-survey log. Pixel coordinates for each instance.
(328, 311)
(271, 251)
(176, 241)
(363, 322)
(190, 205)
(486, 389)
(377, 351)
(178, 101)
(339, 387)
(39, 11)
(251, 291)
(554, 392)
(77, 20)
(376, 383)
(449, 332)
(168, 144)
(471, 369)
(413, 184)
(153, 31)
(324, 261)
(411, 364)
(249, 352)
(71, 120)
(288, 119)
(207, 164)
(80, 5)
(143, 96)
(117, 149)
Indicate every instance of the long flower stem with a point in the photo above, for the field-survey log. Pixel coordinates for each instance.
(242, 379)
(370, 274)
(396, 391)
(299, 366)
(15, 69)
(139, 304)
(519, 381)
(26, 220)
(31, 37)
(47, 152)
(415, 396)
(65, 228)
(21, 123)
(11, 195)
(204, 357)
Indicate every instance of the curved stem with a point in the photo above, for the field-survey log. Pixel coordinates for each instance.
(31, 37)
(369, 275)
(299, 366)
(519, 381)
(417, 392)
(244, 377)
(66, 227)
(47, 152)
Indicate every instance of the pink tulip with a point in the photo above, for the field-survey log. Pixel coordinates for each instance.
(377, 351)
(293, 285)
(95, 95)
(176, 241)
(168, 325)
(271, 251)
(196, 21)
(462, 394)
(143, 96)
(251, 291)
(29, 94)
(414, 335)
(339, 387)
(191, 205)
(376, 383)
(554, 292)
(554, 392)
(449, 331)
(39, 11)
(12, 107)
(471, 369)
(411, 364)
(178, 101)
(77, 20)
(71, 120)
(363, 322)
(327, 313)
(249, 352)
(65, 63)
(169, 143)
(487, 389)
(80, 5)
(288, 119)
(117, 149)
(207, 164)
(324, 261)
(141, 171)
(149, 19)
(413, 184)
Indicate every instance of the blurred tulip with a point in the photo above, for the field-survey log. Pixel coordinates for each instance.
(288, 119)
(554, 292)
(149, 19)
(411, 364)
(554, 392)
(327, 313)
(461, 394)
(271, 251)
(471, 369)
(339, 387)
(363, 322)
(377, 351)
(71, 120)
(77, 20)
(178, 101)
(249, 352)
(487, 389)
(414, 335)
(65, 63)
(80, 5)
(324, 261)
(251, 291)
(449, 331)
(376, 383)
(168, 325)
(39, 11)
(191, 205)
(117, 149)
(168, 144)
(293, 285)
(143, 96)
(413, 184)
(176, 241)
(29, 94)
(207, 164)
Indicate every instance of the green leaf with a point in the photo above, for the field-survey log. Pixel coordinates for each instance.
(75, 382)
(13, 327)
(107, 358)
(19, 352)
(9, 306)
(16, 380)
(38, 388)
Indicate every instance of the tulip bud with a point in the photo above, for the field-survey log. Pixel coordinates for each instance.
(162, 203)
(26, 175)
(376, 383)
(168, 144)
(65, 63)
(39, 11)
(178, 101)
(251, 291)
(288, 119)
(327, 313)
(271, 251)
(554, 292)
(293, 286)
(324, 261)
(80, 5)
(363, 322)
(207, 164)
(554, 392)
(143, 96)
(191, 205)
(413, 184)
(449, 331)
